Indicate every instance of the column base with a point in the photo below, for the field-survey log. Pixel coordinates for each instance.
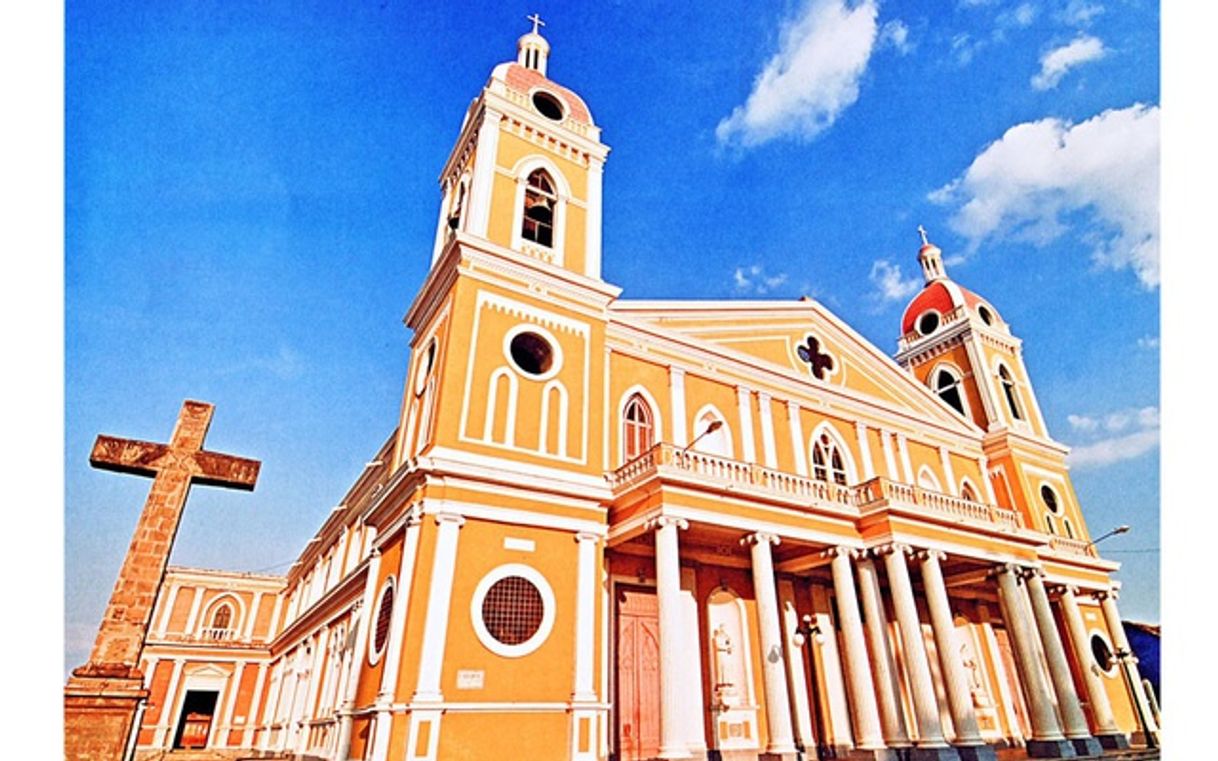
(767, 756)
(1139, 738)
(1051, 749)
(1114, 741)
(872, 754)
(977, 752)
(933, 753)
(1087, 746)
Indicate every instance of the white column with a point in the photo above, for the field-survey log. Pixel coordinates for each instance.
(676, 389)
(773, 668)
(168, 611)
(672, 636)
(484, 174)
(984, 463)
(439, 595)
(744, 405)
(890, 461)
(1097, 695)
(798, 448)
(860, 430)
(1046, 732)
(882, 662)
(1074, 723)
(226, 723)
(858, 672)
(248, 629)
(397, 631)
(765, 407)
(364, 611)
(585, 617)
(906, 466)
(592, 244)
(694, 728)
(195, 604)
(959, 697)
(949, 473)
(1116, 630)
(167, 719)
(796, 679)
(921, 684)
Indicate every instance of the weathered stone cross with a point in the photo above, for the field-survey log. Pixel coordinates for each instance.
(174, 467)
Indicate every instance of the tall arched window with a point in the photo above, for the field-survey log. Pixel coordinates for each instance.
(1008, 390)
(947, 386)
(827, 462)
(539, 202)
(638, 428)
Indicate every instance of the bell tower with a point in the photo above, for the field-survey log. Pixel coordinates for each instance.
(525, 173)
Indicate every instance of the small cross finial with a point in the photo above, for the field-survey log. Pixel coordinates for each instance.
(536, 22)
(922, 232)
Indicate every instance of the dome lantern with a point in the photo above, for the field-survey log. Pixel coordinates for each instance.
(532, 49)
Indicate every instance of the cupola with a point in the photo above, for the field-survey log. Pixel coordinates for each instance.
(532, 50)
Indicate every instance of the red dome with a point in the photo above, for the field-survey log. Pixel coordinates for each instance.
(524, 79)
(940, 295)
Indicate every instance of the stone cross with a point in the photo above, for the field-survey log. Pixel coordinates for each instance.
(536, 22)
(173, 468)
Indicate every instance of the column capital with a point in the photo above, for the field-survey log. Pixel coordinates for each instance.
(414, 515)
(1105, 594)
(842, 550)
(1063, 589)
(442, 518)
(586, 536)
(929, 554)
(676, 372)
(761, 537)
(859, 425)
(1015, 569)
(663, 521)
(892, 548)
(1028, 572)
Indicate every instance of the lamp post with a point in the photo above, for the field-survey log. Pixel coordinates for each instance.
(1123, 657)
(1118, 530)
(714, 426)
(812, 633)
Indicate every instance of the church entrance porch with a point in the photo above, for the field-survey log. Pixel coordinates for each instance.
(194, 723)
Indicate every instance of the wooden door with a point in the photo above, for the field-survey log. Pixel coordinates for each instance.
(638, 674)
(194, 730)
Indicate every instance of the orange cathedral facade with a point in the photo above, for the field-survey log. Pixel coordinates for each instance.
(615, 529)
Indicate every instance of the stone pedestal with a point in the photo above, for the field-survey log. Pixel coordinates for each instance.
(99, 715)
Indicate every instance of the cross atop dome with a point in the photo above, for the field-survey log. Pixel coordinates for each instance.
(931, 258)
(532, 49)
(922, 232)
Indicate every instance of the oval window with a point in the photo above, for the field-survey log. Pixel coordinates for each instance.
(531, 353)
(548, 106)
(1049, 497)
(986, 315)
(1102, 653)
(928, 323)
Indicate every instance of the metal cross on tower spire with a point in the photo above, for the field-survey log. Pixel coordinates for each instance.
(536, 22)
(922, 232)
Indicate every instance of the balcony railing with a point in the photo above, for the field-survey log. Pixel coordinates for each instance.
(213, 634)
(667, 459)
(913, 336)
(1067, 546)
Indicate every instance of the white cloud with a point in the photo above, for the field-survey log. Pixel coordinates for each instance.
(812, 79)
(1025, 14)
(1131, 432)
(1148, 342)
(889, 286)
(753, 279)
(1055, 63)
(896, 35)
(1021, 185)
(1080, 12)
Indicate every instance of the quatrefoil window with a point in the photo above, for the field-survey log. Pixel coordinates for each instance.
(821, 363)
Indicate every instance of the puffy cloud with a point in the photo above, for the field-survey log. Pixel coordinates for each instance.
(754, 280)
(1130, 433)
(1021, 185)
(896, 35)
(1055, 63)
(1080, 12)
(812, 79)
(889, 286)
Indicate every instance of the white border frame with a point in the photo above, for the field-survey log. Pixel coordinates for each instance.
(555, 348)
(852, 476)
(1108, 673)
(657, 427)
(918, 322)
(374, 657)
(562, 104)
(549, 605)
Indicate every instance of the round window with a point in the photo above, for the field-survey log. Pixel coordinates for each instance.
(1102, 653)
(531, 353)
(548, 106)
(513, 610)
(986, 315)
(380, 630)
(1049, 497)
(928, 323)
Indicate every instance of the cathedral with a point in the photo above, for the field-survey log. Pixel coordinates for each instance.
(605, 528)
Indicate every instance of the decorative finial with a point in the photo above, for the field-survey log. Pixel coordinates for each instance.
(536, 22)
(922, 232)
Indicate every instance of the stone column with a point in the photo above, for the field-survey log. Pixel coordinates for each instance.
(882, 661)
(863, 711)
(1074, 722)
(773, 663)
(959, 699)
(672, 636)
(1047, 740)
(1106, 730)
(1116, 630)
(930, 743)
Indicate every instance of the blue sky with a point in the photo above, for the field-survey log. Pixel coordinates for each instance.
(250, 198)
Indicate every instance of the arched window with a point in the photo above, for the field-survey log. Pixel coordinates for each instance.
(638, 428)
(947, 386)
(539, 202)
(967, 492)
(827, 462)
(1008, 390)
(928, 480)
(222, 618)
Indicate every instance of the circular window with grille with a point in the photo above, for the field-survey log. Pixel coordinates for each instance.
(379, 634)
(513, 610)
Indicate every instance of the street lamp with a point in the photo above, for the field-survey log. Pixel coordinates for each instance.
(1121, 529)
(810, 633)
(1123, 656)
(714, 426)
